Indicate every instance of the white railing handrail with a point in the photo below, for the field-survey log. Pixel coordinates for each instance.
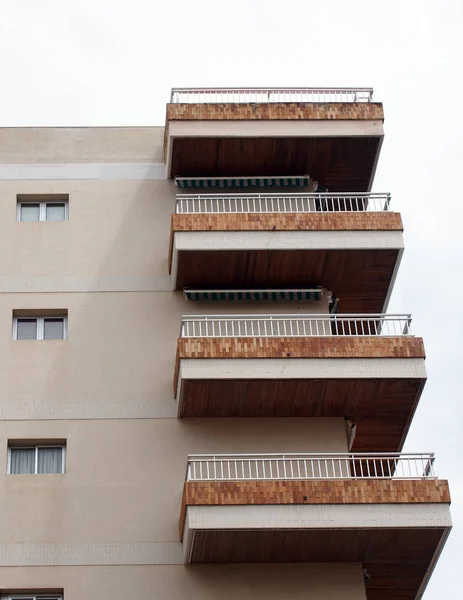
(295, 325)
(348, 465)
(273, 88)
(212, 203)
(252, 455)
(273, 94)
(288, 195)
(318, 317)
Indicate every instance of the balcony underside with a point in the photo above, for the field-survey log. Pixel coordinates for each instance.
(396, 560)
(336, 143)
(361, 279)
(374, 381)
(381, 408)
(340, 164)
(396, 528)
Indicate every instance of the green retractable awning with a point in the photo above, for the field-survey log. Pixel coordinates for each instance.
(242, 182)
(308, 294)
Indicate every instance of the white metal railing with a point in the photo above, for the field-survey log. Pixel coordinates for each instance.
(280, 203)
(266, 95)
(225, 467)
(294, 325)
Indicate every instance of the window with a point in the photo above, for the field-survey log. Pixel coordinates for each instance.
(31, 597)
(43, 211)
(39, 328)
(41, 208)
(36, 460)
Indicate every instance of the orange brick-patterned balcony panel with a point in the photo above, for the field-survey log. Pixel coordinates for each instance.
(312, 491)
(284, 111)
(298, 347)
(301, 347)
(335, 221)
(288, 111)
(329, 221)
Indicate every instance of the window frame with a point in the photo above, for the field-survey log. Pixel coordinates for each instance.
(36, 462)
(31, 596)
(40, 327)
(42, 210)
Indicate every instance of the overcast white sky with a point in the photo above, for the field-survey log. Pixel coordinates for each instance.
(113, 62)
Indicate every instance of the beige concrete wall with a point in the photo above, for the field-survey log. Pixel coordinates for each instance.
(256, 582)
(80, 144)
(116, 228)
(124, 477)
(118, 360)
(108, 391)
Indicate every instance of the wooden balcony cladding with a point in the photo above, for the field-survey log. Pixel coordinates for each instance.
(382, 408)
(397, 559)
(301, 347)
(360, 278)
(340, 163)
(310, 221)
(276, 111)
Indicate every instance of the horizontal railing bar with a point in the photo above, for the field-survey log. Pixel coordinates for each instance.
(271, 89)
(315, 317)
(286, 195)
(315, 454)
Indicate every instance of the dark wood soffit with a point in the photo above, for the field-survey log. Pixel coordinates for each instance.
(341, 164)
(382, 408)
(396, 559)
(359, 278)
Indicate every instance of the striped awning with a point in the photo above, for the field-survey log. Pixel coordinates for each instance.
(307, 294)
(242, 182)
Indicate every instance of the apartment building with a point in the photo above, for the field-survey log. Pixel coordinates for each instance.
(202, 393)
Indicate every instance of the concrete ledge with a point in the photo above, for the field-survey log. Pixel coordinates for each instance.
(297, 239)
(317, 516)
(304, 368)
(288, 240)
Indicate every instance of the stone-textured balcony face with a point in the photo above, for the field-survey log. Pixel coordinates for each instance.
(349, 244)
(334, 137)
(389, 513)
(369, 370)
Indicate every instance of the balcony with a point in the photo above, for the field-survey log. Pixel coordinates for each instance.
(335, 134)
(350, 244)
(368, 369)
(386, 511)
